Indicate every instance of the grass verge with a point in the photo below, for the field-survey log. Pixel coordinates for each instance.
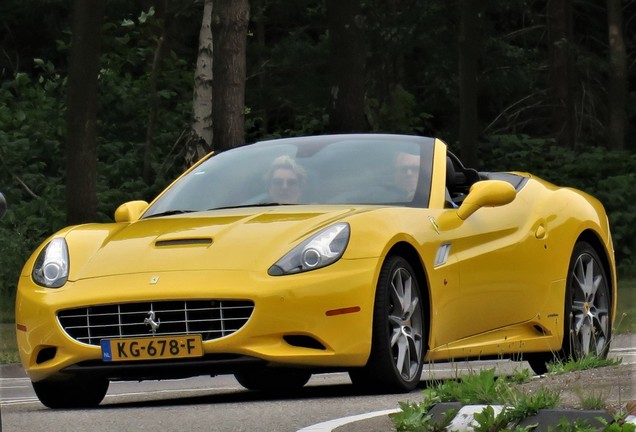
(507, 404)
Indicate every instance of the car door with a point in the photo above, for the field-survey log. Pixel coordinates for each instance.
(500, 253)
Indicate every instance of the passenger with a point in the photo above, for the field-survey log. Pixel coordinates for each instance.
(407, 172)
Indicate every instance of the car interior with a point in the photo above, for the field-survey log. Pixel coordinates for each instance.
(459, 179)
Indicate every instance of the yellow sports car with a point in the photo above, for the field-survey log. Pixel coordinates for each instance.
(366, 253)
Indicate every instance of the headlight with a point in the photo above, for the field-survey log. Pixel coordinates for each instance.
(51, 267)
(323, 248)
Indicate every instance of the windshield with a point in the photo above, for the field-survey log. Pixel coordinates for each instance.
(330, 169)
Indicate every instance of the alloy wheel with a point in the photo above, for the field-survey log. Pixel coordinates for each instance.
(405, 322)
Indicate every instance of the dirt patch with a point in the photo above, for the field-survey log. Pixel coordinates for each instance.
(614, 384)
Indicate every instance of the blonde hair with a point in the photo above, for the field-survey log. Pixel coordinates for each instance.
(288, 163)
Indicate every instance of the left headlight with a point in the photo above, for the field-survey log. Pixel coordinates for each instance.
(51, 266)
(323, 248)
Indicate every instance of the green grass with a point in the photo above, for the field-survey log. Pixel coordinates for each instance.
(588, 362)
(626, 309)
(8, 348)
(592, 399)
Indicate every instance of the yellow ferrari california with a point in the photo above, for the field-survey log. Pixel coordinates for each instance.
(366, 253)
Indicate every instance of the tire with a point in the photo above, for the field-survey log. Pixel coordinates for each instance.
(273, 379)
(587, 319)
(397, 347)
(76, 392)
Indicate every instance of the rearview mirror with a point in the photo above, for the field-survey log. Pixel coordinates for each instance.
(486, 193)
(3, 205)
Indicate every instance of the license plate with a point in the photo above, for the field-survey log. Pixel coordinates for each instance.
(152, 348)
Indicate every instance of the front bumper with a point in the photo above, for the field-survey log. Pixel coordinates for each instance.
(332, 305)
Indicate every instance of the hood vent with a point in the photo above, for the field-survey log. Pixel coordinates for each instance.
(184, 242)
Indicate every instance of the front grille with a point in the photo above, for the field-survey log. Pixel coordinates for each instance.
(212, 319)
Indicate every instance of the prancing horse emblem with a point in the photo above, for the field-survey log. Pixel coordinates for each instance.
(150, 321)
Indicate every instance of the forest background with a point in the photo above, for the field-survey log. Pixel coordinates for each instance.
(100, 100)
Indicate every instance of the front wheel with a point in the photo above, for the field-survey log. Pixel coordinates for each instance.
(397, 348)
(76, 392)
(587, 322)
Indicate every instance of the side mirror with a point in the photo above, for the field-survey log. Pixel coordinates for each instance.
(486, 193)
(3, 205)
(130, 211)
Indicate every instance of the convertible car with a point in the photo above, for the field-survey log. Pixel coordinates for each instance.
(366, 253)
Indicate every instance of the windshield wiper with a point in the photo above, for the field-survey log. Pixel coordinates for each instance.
(265, 204)
(169, 213)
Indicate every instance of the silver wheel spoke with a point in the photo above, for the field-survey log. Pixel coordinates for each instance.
(405, 324)
(589, 308)
(403, 356)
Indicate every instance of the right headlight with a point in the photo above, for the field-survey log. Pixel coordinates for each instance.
(323, 248)
(51, 266)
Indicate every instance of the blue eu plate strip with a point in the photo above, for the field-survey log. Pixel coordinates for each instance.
(107, 355)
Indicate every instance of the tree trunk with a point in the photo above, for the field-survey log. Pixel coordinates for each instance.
(562, 74)
(618, 84)
(229, 26)
(200, 140)
(262, 79)
(81, 152)
(469, 43)
(160, 52)
(347, 58)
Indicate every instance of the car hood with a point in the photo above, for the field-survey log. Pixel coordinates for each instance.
(238, 239)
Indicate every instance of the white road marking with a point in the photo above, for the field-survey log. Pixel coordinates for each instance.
(330, 425)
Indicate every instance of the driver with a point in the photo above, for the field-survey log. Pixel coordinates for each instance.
(285, 180)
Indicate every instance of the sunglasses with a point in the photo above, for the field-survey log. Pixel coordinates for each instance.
(405, 169)
(280, 182)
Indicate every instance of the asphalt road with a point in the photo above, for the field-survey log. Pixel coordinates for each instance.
(220, 403)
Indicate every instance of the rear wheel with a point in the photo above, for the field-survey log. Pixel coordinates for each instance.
(587, 323)
(75, 392)
(273, 379)
(397, 350)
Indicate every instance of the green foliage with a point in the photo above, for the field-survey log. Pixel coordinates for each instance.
(565, 425)
(584, 363)
(488, 421)
(520, 376)
(32, 161)
(618, 423)
(523, 405)
(414, 417)
(473, 388)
